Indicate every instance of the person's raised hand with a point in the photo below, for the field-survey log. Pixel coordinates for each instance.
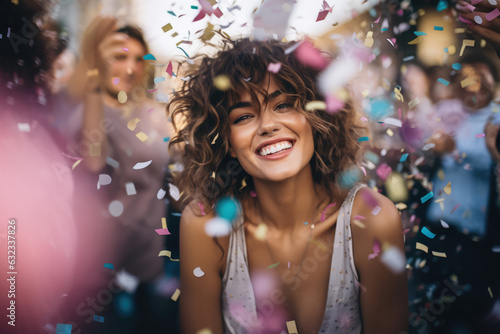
(479, 24)
(94, 35)
(443, 142)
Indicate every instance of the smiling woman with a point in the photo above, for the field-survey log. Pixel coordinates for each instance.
(292, 259)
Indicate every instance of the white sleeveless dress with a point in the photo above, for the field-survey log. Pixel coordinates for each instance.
(342, 311)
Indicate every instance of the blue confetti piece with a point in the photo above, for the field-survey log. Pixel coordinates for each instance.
(442, 5)
(428, 233)
(438, 28)
(305, 223)
(194, 7)
(165, 139)
(403, 157)
(446, 50)
(171, 13)
(408, 58)
(63, 329)
(380, 108)
(420, 33)
(363, 138)
(183, 51)
(384, 29)
(159, 79)
(427, 197)
(456, 66)
(149, 56)
(444, 82)
(176, 214)
(227, 208)
(109, 266)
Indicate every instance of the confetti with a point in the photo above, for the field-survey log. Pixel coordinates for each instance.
(198, 272)
(444, 224)
(369, 39)
(493, 14)
(394, 259)
(115, 208)
(456, 66)
(376, 210)
(315, 105)
(176, 295)
(76, 164)
(456, 207)
(438, 254)
(23, 127)
(170, 69)
(109, 266)
(427, 197)
(438, 28)
(104, 179)
(98, 318)
(142, 136)
(158, 80)
(393, 121)
(63, 328)
(403, 157)
(478, 19)
(466, 43)
(274, 67)
(161, 193)
(215, 138)
(130, 188)
(447, 188)
(422, 247)
(227, 208)
(323, 213)
(163, 230)
(168, 254)
(141, 165)
(131, 125)
(273, 265)
(363, 139)
(291, 327)
(166, 27)
(428, 233)
(261, 232)
(222, 82)
(149, 56)
(444, 82)
(376, 250)
(467, 82)
(218, 227)
(122, 97)
(416, 40)
(308, 55)
(174, 192)
(480, 135)
(442, 5)
(383, 171)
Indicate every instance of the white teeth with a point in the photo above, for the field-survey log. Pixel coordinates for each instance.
(275, 148)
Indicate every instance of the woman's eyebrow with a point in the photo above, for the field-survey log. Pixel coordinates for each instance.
(269, 97)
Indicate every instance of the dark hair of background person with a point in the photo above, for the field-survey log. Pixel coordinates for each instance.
(480, 58)
(200, 113)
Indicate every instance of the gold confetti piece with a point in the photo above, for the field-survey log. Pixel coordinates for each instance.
(76, 164)
(166, 27)
(401, 206)
(208, 33)
(399, 96)
(360, 224)
(222, 82)
(163, 222)
(439, 254)
(122, 97)
(441, 174)
(274, 265)
(261, 232)
(213, 175)
(422, 247)
(466, 43)
(204, 331)
(291, 326)
(413, 103)
(447, 188)
(168, 254)
(176, 294)
(320, 245)
(175, 34)
(315, 105)
(491, 293)
(216, 136)
(467, 82)
(459, 30)
(422, 263)
(389, 132)
(93, 72)
(416, 40)
(439, 200)
(452, 50)
(243, 183)
(142, 136)
(95, 149)
(369, 39)
(133, 123)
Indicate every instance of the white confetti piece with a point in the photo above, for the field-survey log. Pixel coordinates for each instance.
(141, 165)
(428, 146)
(444, 224)
(161, 193)
(174, 192)
(112, 162)
(116, 208)
(198, 272)
(126, 281)
(393, 259)
(376, 210)
(478, 19)
(393, 121)
(130, 188)
(218, 227)
(104, 179)
(23, 127)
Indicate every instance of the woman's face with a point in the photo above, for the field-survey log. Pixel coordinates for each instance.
(273, 143)
(127, 68)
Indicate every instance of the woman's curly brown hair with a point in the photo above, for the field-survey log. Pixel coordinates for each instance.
(199, 113)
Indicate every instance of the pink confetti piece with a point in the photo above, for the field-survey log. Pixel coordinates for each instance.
(383, 171)
(274, 67)
(152, 90)
(364, 170)
(456, 207)
(308, 55)
(368, 198)
(333, 104)
(464, 20)
(322, 15)
(162, 231)
(324, 211)
(493, 14)
(116, 81)
(376, 210)
(169, 69)
(470, 7)
(480, 135)
(359, 217)
(376, 250)
(253, 193)
(377, 20)
(125, 49)
(217, 12)
(201, 208)
(364, 119)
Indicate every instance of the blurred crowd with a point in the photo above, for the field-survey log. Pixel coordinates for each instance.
(87, 175)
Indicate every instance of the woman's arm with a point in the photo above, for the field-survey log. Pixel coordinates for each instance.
(384, 292)
(200, 299)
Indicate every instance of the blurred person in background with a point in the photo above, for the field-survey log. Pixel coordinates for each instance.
(117, 127)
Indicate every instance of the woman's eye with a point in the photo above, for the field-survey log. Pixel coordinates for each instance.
(242, 118)
(120, 57)
(282, 106)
